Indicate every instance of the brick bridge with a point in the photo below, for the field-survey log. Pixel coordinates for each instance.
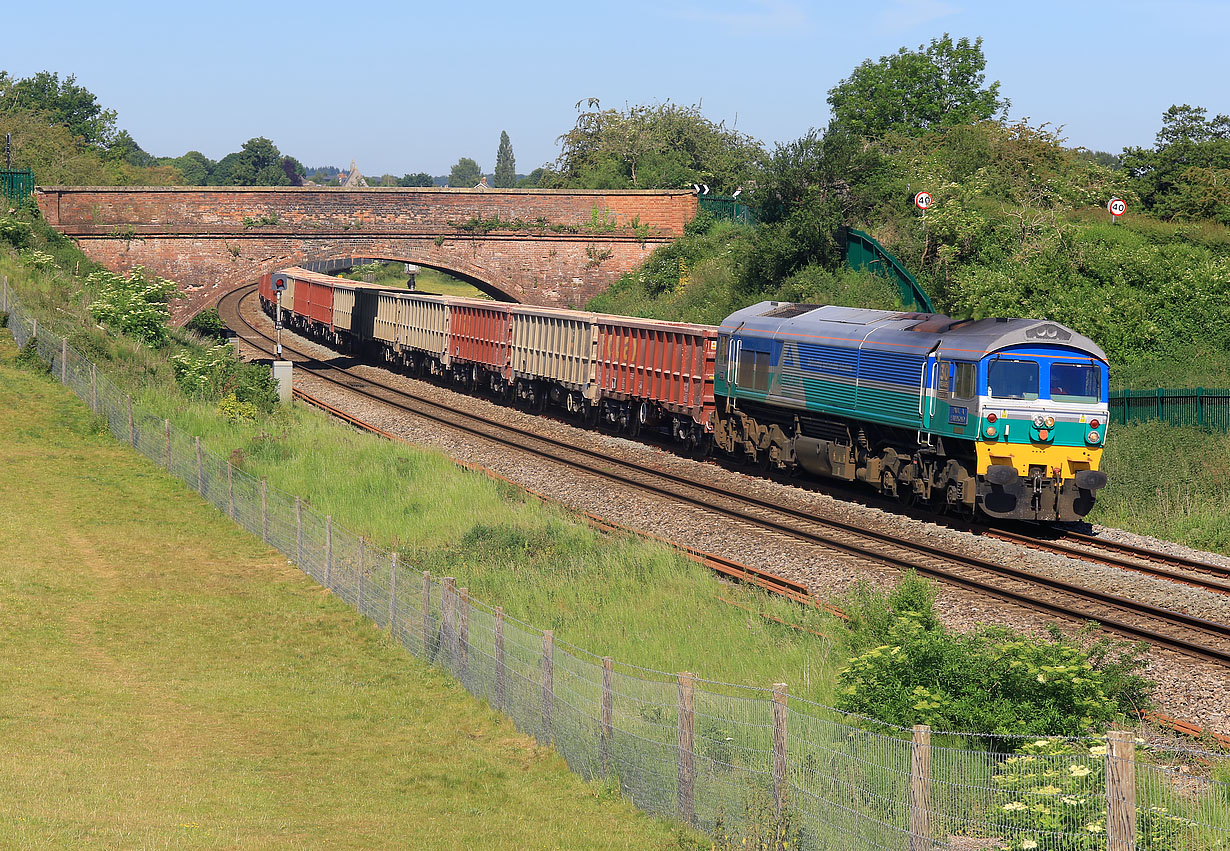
(563, 248)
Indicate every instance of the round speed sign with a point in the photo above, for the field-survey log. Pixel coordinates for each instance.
(1117, 207)
(922, 200)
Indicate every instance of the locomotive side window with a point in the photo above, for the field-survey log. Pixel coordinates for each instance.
(966, 384)
(1071, 382)
(1013, 379)
(943, 379)
(754, 370)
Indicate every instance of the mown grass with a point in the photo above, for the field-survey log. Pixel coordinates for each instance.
(431, 281)
(171, 682)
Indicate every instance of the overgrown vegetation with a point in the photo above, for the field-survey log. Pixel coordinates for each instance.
(909, 669)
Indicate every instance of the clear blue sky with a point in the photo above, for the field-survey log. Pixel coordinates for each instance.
(408, 87)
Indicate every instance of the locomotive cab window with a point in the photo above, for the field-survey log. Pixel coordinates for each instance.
(1013, 379)
(1072, 382)
(965, 385)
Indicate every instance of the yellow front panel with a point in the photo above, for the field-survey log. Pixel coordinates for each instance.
(1063, 460)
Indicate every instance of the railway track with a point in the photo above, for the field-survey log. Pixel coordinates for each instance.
(1133, 619)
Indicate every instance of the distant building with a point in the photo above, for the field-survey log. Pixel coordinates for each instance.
(354, 178)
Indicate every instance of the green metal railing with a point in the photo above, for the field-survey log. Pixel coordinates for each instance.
(727, 207)
(1198, 406)
(16, 184)
(863, 252)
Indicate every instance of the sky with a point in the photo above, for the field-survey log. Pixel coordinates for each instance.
(409, 87)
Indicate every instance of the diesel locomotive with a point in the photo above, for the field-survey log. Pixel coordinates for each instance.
(1003, 417)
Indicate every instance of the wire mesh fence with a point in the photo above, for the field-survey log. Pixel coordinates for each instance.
(739, 763)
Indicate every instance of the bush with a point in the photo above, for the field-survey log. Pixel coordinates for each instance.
(208, 323)
(137, 305)
(908, 669)
(14, 231)
(217, 373)
(28, 357)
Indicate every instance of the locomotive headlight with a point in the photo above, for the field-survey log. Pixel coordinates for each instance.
(1043, 434)
(1050, 422)
(1039, 421)
(990, 430)
(1094, 437)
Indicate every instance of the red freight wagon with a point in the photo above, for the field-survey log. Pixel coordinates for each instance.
(266, 287)
(668, 364)
(481, 332)
(313, 297)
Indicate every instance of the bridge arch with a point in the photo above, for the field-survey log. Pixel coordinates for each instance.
(474, 277)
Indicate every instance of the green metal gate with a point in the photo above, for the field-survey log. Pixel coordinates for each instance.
(16, 184)
(727, 207)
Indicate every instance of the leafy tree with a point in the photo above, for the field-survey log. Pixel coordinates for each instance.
(465, 173)
(124, 148)
(258, 163)
(420, 179)
(1181, 175)
(195, 167)
(939, 85)
(293, 169)
(533, 179)
(64, 103)
(652, 147)
(505, 163)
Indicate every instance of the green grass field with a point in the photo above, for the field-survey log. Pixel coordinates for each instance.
(171, 682)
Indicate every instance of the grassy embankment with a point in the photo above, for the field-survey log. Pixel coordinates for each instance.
(170, 681)
(612, 595)
(429, 281)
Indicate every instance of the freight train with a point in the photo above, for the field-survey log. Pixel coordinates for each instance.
(1004, 418)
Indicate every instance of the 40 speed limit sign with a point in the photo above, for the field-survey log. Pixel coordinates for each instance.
(1117, 207)
(922, 201)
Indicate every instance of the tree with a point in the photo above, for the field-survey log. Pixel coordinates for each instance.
(420, 179)
(65, 104)
(505, 163)
(258, 163)
(1180, 176)
(652, 147)
(939, 85)
(465, 173)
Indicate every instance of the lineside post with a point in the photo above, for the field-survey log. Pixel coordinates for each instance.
(446, 648)
(1120, 791)
(779, 748)
(63, 360)
(608, 713)
(427, 614)
(93, 387)
(920, 789)
(548, 684)
(329, 551)
(299, 532)
(685, 741)
(166, 431)
(132, 429)
(200, 467)
(362, 570)
(499, 658)
(264, 511)
(230, 489)
(463, 632)
(392, 589)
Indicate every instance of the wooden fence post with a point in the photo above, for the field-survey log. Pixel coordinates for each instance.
(34, 331)
(200, 467)
(93, 387)
(299, 533)
(328, 550)
(63, 360)
(920, 789)
(166, 431)
(362, 570)
(392, 590)
(132, 430)
(499, 658)
(779, 748)
(548, 684)
(685, 740)
(264, 511)
(463, 631)
(448, 646)
(427, 614)
(1120, 791)
(608, 712)
(230, 489)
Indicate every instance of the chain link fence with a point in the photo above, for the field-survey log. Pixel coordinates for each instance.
(736, 762)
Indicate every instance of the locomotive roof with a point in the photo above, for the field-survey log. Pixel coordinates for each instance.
(920, 332)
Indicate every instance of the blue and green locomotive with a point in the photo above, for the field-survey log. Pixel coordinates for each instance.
(1003, 417)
